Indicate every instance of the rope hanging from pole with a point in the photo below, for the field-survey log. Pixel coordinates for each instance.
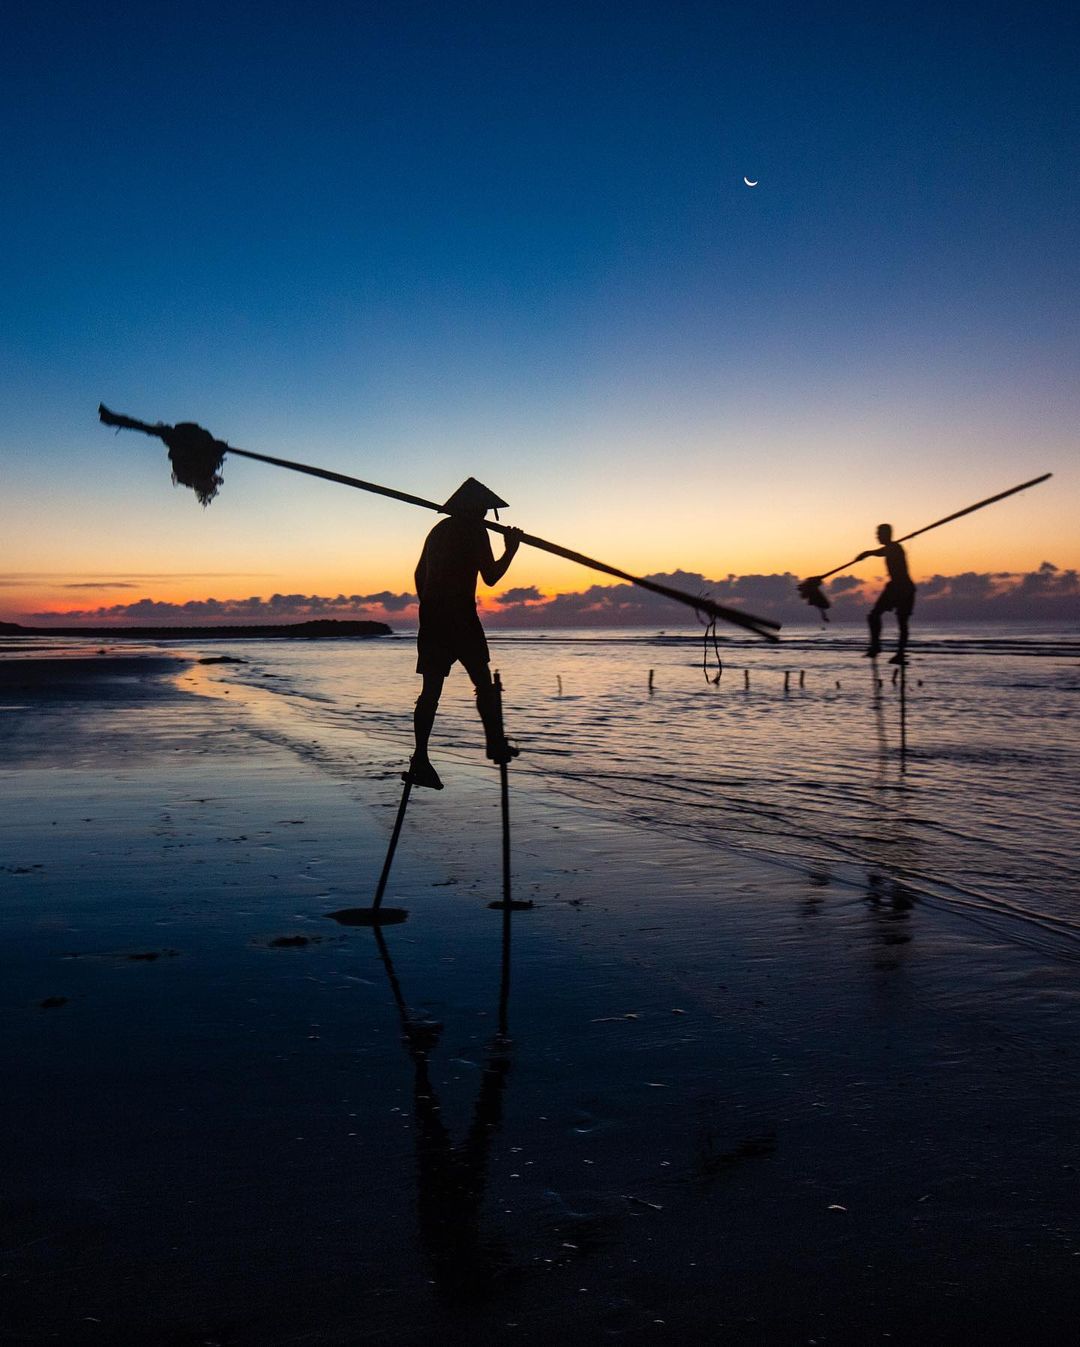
(711, 636)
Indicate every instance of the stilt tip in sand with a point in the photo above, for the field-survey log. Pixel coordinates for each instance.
(369, 916)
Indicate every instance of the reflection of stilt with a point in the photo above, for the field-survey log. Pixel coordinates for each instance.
(395, 985)
(504, 980)
(879, 714)
(890, 905)
(508, 905)
(410, 1022)
(903, 715)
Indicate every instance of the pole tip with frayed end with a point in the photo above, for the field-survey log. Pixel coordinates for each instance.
(195, 455)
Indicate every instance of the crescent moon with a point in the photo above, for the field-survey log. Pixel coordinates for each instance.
(749, 183)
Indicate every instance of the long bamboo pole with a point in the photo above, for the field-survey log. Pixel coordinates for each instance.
(760, 626)
(969, 509)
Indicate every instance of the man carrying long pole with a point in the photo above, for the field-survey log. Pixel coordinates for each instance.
(196, 458)
(899, 593)
(456, 553)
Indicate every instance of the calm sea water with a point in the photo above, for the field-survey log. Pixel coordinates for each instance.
(979, 812)
(763, 1122)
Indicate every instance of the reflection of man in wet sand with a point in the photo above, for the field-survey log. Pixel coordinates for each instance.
(457, 550)
(898, 595)
(452, 1179)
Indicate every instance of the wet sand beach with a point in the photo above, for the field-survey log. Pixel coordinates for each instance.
(740, 1099)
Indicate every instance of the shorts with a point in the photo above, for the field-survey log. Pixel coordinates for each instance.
(446, 635)
(898, 598)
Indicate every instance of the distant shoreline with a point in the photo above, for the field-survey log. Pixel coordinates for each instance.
(317, 630)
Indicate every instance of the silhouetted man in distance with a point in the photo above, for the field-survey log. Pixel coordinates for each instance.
(898, 595)
(457, 551)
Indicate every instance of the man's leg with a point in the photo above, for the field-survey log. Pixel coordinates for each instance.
(487, 703)
(420, 769)
(903, 614)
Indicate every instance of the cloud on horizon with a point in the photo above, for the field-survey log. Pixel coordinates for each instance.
(1045, 595)
(523, 594)
(101, 584)
(277, 608)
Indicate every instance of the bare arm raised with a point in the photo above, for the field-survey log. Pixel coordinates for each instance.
(492, 571)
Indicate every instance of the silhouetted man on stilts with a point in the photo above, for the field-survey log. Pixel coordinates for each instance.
(898, 595)
(457, 550)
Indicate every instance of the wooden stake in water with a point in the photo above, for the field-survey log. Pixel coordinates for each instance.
(652, 674)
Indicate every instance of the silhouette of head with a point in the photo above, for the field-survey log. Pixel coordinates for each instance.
(474, 498)
(884, 533)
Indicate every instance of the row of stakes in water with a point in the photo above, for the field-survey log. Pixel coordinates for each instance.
(746, 680)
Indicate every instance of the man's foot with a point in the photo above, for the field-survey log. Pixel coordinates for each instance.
(421, 773)
(872, 651)
(898, 659)
(501, 751)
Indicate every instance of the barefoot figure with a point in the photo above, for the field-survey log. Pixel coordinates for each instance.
(457, 550)
(898, 595)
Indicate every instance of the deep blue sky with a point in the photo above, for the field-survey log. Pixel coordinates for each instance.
(416, 241)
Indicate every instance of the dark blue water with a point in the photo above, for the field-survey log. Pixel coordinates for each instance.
(959, 784)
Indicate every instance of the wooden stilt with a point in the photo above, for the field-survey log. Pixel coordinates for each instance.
(903, 715)
(376, 914)
(381, 888)
(506, 902)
